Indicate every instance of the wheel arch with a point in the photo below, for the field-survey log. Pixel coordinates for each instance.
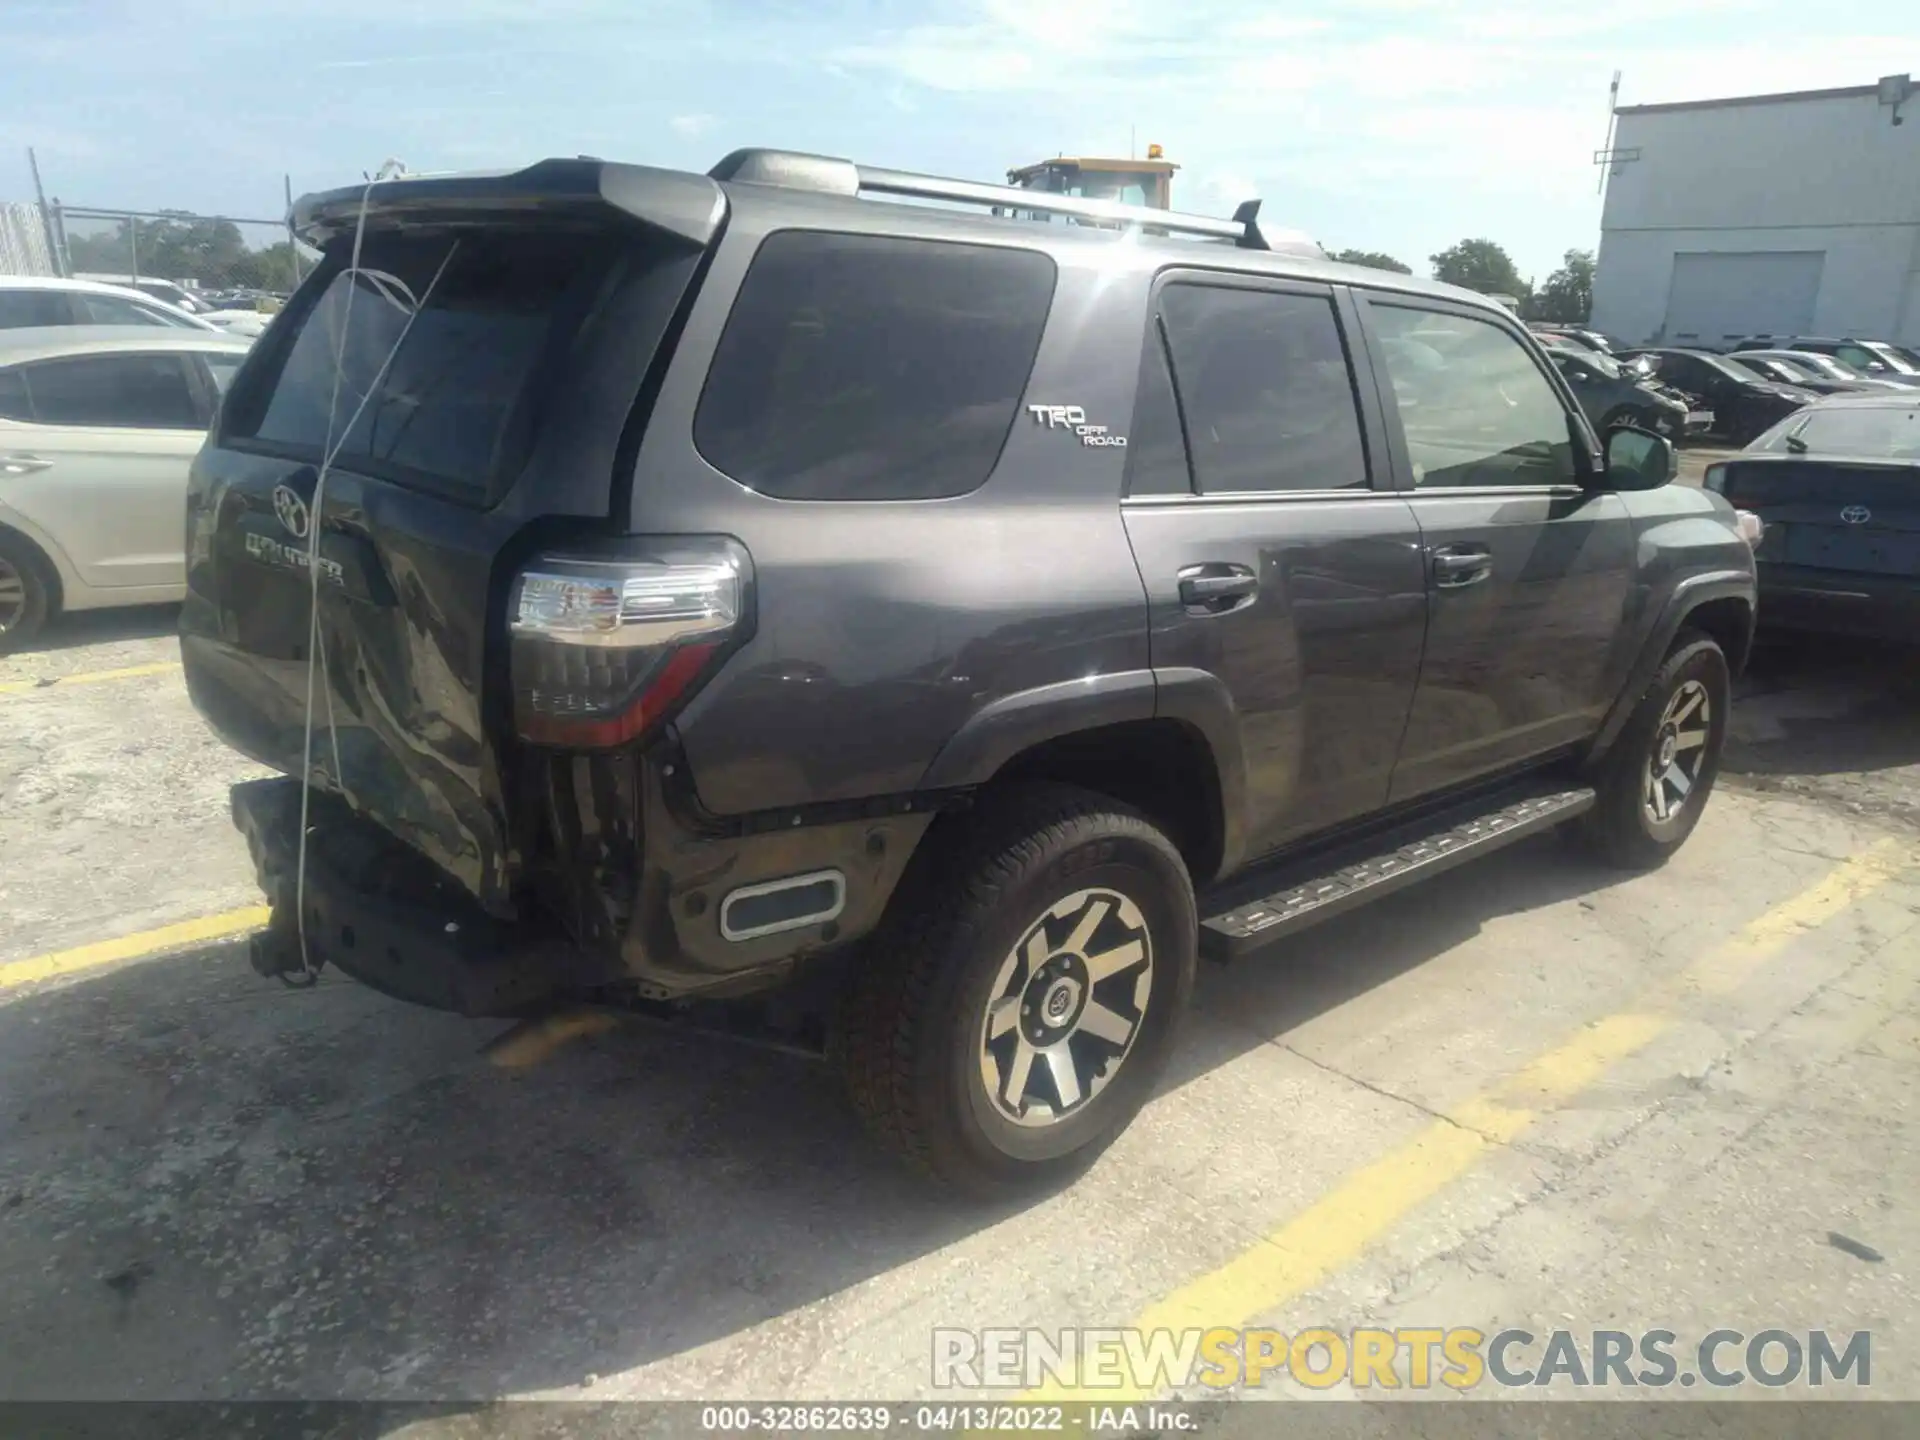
(1165, 742)
(47, 560)
(1718, 603)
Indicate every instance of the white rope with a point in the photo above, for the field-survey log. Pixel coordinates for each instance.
(316, 649)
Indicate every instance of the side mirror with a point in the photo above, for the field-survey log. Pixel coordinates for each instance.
(1637, 459)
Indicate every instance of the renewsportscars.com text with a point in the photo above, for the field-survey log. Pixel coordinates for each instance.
(1417, 1358)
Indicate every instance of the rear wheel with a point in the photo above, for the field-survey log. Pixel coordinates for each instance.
(26, 599)
(1655, 781)
(1016, 1013)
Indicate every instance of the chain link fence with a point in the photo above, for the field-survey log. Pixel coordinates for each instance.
(25, 241)
(178, 256)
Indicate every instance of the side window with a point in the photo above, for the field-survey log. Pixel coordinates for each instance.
(112, 310)
(1693, 374)
(148, 392)
(1156, 450)
(24, 309)
(1860, 358)
(1266, 388)
(1476, 408)
(859, 367)
(14, 402)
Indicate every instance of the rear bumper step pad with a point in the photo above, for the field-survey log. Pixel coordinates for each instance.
(1320, 887)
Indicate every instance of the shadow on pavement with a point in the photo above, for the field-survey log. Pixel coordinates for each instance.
(213, 1188)
(95, 627)
(1821, 705)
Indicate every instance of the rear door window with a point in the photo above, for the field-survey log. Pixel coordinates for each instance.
(141, 392)
(1266, 388)
(14, 404)
(451, 406)
(859, 367)
(26, 309)
(1156, 447)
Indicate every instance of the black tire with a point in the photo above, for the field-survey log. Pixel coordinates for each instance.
(26, 592)
(913, 1035)
(1623, 827)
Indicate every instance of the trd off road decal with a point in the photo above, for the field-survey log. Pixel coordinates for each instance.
(1072, 417)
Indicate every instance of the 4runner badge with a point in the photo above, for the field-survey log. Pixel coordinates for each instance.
(1072, 417)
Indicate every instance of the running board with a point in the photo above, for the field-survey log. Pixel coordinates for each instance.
(1321, 886)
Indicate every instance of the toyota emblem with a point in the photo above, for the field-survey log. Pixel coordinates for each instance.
(290, 510)
(1856, 514)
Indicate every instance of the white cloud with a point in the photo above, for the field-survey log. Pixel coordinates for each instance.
(1485, 116)
(691, 126)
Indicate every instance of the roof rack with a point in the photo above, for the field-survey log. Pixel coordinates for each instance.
(827, 175)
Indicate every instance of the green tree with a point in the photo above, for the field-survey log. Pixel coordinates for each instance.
(1373, 259)
(1567, 294)
(1480, 265)
(180, 246)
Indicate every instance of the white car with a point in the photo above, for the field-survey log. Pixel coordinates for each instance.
(33, 301)
(171, 296)
(98, 425)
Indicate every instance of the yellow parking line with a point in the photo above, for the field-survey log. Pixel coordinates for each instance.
(131, 947)
(1338, 1228)
(1725, 968)
(87, 677)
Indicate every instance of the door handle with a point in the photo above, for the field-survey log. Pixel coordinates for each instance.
(23, 464)
(1216, 589)
(1454, 568)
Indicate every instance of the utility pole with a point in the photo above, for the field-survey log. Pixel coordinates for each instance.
(46, 215)
(293, 240)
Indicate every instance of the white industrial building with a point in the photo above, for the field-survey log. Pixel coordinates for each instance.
(1764, 215)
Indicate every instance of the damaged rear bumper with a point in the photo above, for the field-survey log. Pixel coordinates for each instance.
(387, 917)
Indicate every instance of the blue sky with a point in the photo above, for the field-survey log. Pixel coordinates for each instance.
(1393, 125)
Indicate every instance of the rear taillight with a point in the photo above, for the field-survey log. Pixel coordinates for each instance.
(605, 647)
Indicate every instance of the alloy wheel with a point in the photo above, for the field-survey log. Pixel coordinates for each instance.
(1065, 1008)
(1678, 754)
(13, 596)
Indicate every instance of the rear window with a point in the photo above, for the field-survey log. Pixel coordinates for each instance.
(452, 404)
(865, 368)
(1865, 432)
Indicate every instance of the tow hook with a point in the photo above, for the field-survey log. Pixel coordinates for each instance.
(275, 953)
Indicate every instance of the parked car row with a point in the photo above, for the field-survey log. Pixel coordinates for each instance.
(1611, 394)
(98, 424)
(34, 301)
(1732, 395)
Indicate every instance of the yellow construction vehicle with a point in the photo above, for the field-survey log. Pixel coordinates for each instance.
(1129, 182)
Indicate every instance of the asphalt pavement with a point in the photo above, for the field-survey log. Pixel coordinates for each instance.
(1532, 1095)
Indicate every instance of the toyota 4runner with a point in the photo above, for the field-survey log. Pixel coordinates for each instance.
(747, 586)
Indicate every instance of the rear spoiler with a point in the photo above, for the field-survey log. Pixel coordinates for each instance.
(689, 207)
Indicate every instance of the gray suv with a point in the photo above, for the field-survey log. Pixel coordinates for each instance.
(915, 631)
